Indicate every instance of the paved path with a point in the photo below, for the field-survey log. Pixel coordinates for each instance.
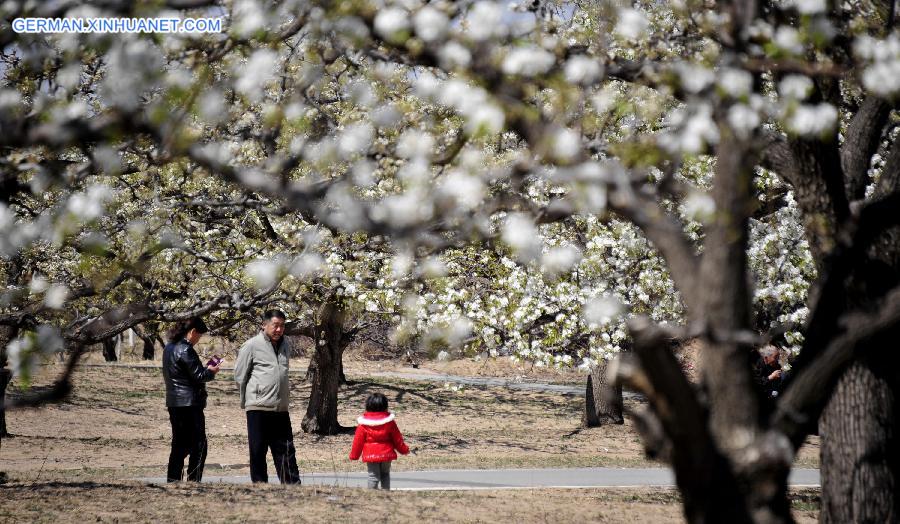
(506, 478)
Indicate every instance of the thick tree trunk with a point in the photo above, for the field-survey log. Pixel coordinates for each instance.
(109, 349)
(325, 372)
(861, 447)
(311, 371)
(602, 400)
(149, 348)
(321, 413)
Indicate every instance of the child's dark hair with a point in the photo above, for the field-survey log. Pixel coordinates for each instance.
(376, 402)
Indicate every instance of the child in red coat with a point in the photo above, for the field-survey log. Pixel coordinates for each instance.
(377, 438)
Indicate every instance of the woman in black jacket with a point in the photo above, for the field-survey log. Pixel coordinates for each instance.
(186, 379)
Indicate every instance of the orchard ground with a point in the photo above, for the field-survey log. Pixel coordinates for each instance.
(74, 459)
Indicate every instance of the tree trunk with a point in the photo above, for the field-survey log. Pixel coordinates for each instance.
(149, 347)
(109, 349)
(324, 372)
(321, 413)
(860, 447)
(311, 371)
(5, 376)
(602, 400)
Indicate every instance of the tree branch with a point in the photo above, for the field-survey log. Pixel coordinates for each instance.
(889, 181)
(861, 142)
(805, 398)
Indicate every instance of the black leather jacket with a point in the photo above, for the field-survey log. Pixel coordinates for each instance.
(185, 376)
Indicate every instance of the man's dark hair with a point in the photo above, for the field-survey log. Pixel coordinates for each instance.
(273, 313)
(181, 328)
(376, 402)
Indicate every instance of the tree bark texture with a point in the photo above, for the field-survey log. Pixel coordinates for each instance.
(603, 399)
(325, 370)
(710, 489)
(727, 300)
(860, 447)
(321, 413)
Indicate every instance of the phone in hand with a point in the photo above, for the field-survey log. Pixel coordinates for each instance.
(214, 361)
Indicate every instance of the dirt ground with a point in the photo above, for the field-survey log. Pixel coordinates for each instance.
(115, 427)
(135, 502)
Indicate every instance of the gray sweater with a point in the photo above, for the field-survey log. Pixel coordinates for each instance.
(261, 372)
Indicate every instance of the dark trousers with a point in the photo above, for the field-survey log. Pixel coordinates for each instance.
(272, 430)
(188, 439)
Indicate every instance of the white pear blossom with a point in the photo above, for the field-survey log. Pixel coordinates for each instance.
(9, 99)
(485, 20)
(882, 75)
(256, 73)
(632, 24)
(392, 23)
(694, 78)
(427, 85)
(743, 119)
(56, 295)
(69, 77)
(465, 190)
(528, 61)
(407, 209)
(431, 24)
(415, 143)
(21, 357)
(132, 69)
(307, 265)
(433, 267)
(263, 273)
(795, 87)
(355, 139)
(38, 285)
(812, 120)
(401, 264)
(788, 39)
(248, 17)
(809, 7)
(560, 259)
(520, 233)
(583, 70)
(601, 310)
(695, 129)
(416, 172)
(735, 82)
(454, 55)
(699, 206)
(89, 205)
(883, 78)
(566, 145)
(486, 118)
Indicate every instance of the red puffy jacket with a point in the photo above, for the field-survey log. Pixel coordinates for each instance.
(377, 436)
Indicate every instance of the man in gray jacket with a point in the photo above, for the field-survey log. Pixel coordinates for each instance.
(261, 372)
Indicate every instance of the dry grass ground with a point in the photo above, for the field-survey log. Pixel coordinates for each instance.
(115, 427)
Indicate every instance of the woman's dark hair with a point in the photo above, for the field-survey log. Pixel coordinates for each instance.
(376, 402)
(182, 327)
